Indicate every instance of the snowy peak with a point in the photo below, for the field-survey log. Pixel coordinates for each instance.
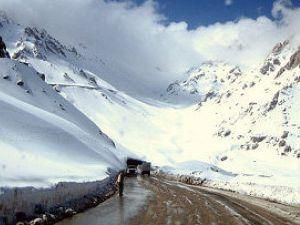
(283, 57)
(61, 65)
(218, 79)
(203, 83)
(27, 42)
(39, 44)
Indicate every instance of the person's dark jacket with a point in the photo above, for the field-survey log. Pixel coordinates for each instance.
(3, 52)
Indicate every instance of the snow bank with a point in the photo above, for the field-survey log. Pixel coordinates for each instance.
(278, 193)
(274, 188)
(54, 200)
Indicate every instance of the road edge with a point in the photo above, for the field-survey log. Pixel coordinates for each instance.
(48, 206)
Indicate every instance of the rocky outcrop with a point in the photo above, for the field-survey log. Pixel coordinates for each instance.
(272, 61)
(204, 83)
(279, 47)
(44, 41)
(257, 139)
(267, 67)
(223, 132)
(285, 134)
(282, 143)
(173, 88)
(274, 102)
(3, 52)
(294, 60)
(43, 45)
(292, 64)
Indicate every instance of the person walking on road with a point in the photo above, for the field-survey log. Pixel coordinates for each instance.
(120, 183)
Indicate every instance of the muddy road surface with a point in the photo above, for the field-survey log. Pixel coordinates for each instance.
(156, 201)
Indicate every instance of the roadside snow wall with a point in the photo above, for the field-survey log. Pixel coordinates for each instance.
(33, 202)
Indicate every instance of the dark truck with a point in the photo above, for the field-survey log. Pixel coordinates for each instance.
(144, 168)
(131, 170)
(132, 164)
(135, 166)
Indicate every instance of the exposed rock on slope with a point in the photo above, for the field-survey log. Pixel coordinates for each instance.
(203, 83)
(272, 60)
(292, 63)
(38, 43)
(3, 52)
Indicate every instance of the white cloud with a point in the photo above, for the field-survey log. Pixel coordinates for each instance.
(280, 7)
(143, 48)
(228, 2)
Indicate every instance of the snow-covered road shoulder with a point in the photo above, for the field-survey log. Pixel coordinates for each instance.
(274, 189)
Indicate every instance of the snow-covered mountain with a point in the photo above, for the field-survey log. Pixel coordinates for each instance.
(238, 126)
(42, 134)
(40, 129)
(249, 104)
(254, 111)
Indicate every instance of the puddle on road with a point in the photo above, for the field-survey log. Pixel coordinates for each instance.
(116, 210)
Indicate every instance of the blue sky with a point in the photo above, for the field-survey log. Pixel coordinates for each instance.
(205, 12)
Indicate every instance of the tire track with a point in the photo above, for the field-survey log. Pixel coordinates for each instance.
(175, 203)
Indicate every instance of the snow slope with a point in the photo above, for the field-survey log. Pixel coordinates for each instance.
(44, 136)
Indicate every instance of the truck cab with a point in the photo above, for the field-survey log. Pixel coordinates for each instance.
(131, 170)
(144, 168)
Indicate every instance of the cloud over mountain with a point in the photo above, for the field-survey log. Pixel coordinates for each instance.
(145, 46)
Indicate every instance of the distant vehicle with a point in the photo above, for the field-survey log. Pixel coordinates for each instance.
(135, 166)
(131, 170)
(144, 168)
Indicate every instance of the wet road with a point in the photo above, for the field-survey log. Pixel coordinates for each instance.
(153, 201)
(116, 210)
